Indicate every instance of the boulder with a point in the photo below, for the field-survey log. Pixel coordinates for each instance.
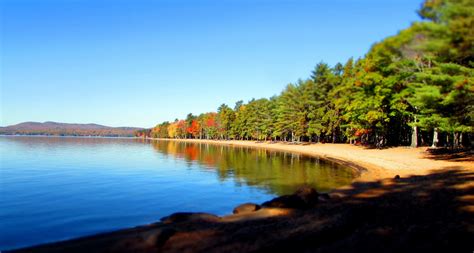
(305, 197)
(246, 208)
(186, 217)
(308, 194)
(159, 237)
(286, 201)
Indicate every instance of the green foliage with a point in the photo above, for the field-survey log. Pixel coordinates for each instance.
(422, 77)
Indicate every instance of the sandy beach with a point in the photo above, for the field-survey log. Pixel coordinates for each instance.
(374, 164)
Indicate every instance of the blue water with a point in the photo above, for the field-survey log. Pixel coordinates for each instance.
(57, 188)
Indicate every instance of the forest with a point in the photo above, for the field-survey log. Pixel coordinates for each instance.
(415, 88)
(50, 128)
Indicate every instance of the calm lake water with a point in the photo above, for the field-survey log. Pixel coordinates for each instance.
(57, 188)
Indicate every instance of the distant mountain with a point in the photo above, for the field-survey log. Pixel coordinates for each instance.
(66, 129)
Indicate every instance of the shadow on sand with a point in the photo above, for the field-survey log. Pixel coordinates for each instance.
(432, 213)
(456, 155)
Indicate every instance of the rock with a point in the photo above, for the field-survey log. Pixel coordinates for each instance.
(246, 208)
(286, 201)
(185, 217)
(160, 237)
(140, 242)
(336, 195)
(305, 197)
(308, 194)
(323, 197)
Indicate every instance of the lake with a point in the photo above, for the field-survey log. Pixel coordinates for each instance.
(58, 188)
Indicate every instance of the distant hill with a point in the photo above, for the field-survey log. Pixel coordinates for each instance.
(66, 129)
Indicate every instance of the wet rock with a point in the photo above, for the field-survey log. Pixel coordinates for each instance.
(185, 217)
(246, 208)
(304, 197)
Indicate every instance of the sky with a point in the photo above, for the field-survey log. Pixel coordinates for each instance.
(141, 62)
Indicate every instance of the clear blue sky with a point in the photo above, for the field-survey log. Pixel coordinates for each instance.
(140, 62)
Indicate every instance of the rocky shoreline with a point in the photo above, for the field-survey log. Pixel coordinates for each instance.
(430, 213)
(150, 238)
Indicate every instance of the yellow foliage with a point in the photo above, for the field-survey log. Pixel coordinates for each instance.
(172, 130)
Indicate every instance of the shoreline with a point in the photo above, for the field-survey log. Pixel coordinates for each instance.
(371, 164)
(68, 136)
(420, 174)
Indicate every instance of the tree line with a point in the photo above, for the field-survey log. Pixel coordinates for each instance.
(67, 129)
(414, 88)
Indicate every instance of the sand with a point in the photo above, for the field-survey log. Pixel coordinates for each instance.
(374, 163)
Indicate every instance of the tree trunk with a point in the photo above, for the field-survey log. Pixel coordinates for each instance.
(456, 140)
(414, 137)
(435, 138)
(447, 140)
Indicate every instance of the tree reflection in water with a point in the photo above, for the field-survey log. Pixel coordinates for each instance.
(277, 172)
